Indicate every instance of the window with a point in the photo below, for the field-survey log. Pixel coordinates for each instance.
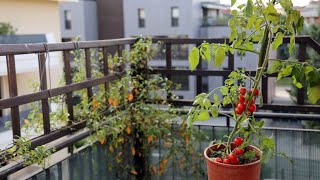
(175, 16)
(67, 19)
(141, 18)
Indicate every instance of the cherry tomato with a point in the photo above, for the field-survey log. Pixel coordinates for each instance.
(252, 108)
(256, 92)
(242, 91)
(232, 157)
(241, 99)
(226, 161)
(235, 161)
(219, 160)
(238, 151)
(238, 111)
(238, 141)
(241, 107)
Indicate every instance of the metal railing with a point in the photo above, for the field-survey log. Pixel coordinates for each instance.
(15, 100)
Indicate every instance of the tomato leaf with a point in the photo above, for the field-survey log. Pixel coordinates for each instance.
(313, 94)
(194, 58)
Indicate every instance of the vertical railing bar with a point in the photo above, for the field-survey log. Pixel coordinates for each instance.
(59, 166)
(13, 91)
(228, 124)
(230, 61)
(68, 78)
(276, 151)
(43, 86)
(88, 71)
(265, 87)
(168, 60)
(47, 172)
(309, 151)
(173, 163)
(301, 57)
(105, 68)
(199, 78)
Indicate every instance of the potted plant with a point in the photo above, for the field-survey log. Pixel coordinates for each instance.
(238, 155)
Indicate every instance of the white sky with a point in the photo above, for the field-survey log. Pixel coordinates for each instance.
(295, 2)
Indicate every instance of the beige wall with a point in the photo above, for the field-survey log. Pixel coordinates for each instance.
(32, 16)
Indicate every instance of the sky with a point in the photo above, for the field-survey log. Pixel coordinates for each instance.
(295, 2)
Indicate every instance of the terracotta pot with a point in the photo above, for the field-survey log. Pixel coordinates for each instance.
(220, 171)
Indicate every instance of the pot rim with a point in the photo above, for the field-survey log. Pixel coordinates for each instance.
(233, 165)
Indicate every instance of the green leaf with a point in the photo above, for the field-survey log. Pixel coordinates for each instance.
(257, 24)
(251, 21)
(296, 83)
(194, 58)
(219, 57)
(233, 34)
(249, 8)
(292, 44)
(277, 40)
(268, 142)
(224, 90)
(205, 52)
(12, 149)
(233, 2)
(203, 116)
(300, 24)
(206, 103)
(273, 67)
(249, 154)
(307, 70)
(216, 97)
(272, 14)
(214, 111)
(313, 94)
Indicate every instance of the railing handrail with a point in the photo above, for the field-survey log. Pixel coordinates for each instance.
(9, 49)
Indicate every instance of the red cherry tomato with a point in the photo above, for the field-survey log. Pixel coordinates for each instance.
(235, 161)
(226, 161)
(232, 157)
(241, 107)
(238, 111)
(238, 151)
(219, 160)
(252, 108)
(241, 99)
(242, 91)
(238, 141)
(256, 92)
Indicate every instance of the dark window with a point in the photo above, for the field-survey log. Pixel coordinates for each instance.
(141, 18)
(67, 19)
(175, 16)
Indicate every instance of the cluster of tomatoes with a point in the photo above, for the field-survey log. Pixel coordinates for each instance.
(243, 101)
(232, 158)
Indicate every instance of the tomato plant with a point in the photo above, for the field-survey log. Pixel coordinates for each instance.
(256, 22)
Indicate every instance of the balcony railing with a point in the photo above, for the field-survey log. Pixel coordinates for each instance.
(15, 100)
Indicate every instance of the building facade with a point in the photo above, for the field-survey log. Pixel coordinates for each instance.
(30, 18)
(79, 20)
